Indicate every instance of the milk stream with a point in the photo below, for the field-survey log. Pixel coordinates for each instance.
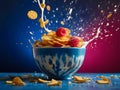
(42, 14)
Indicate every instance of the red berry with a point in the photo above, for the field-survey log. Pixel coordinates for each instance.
(57, 45)
(74, 41)
(60, 32)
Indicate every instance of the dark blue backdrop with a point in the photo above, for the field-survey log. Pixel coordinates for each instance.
(13, 30)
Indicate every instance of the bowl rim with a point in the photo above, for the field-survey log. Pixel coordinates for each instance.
(60, 47)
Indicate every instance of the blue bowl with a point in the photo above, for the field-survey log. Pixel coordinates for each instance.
(59, 63)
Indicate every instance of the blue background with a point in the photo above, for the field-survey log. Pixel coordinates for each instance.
(13, 29)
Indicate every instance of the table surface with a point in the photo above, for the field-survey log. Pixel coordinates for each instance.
(92, 85)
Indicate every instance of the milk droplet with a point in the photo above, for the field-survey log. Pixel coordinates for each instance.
(70, 12)
(31, 33)
(28, 26)
(56, 9)
(107, 24)
(115, 10)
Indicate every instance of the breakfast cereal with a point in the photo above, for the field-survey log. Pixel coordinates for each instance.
(60, 38)
(43, 81)
(32, 14)
(17, 81)
(103, 81)
(54, 83)
(9, 82)
(79, 79)
(48, 7)
(43, 5)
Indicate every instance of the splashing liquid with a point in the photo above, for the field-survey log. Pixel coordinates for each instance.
(42, 14)
(96, 36)
(47, 30)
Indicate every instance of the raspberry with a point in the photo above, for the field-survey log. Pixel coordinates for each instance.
(57, 45)
(74, 41)
(60, 32)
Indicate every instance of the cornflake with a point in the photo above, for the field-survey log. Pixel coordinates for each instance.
(32, 14)
(103, 81)
(54, 83)
(48, 7)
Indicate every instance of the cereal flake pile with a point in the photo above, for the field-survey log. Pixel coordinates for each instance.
(60, 38)
(17, 81)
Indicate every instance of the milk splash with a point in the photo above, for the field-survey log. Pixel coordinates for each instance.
(96, 36)
(42, 14)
